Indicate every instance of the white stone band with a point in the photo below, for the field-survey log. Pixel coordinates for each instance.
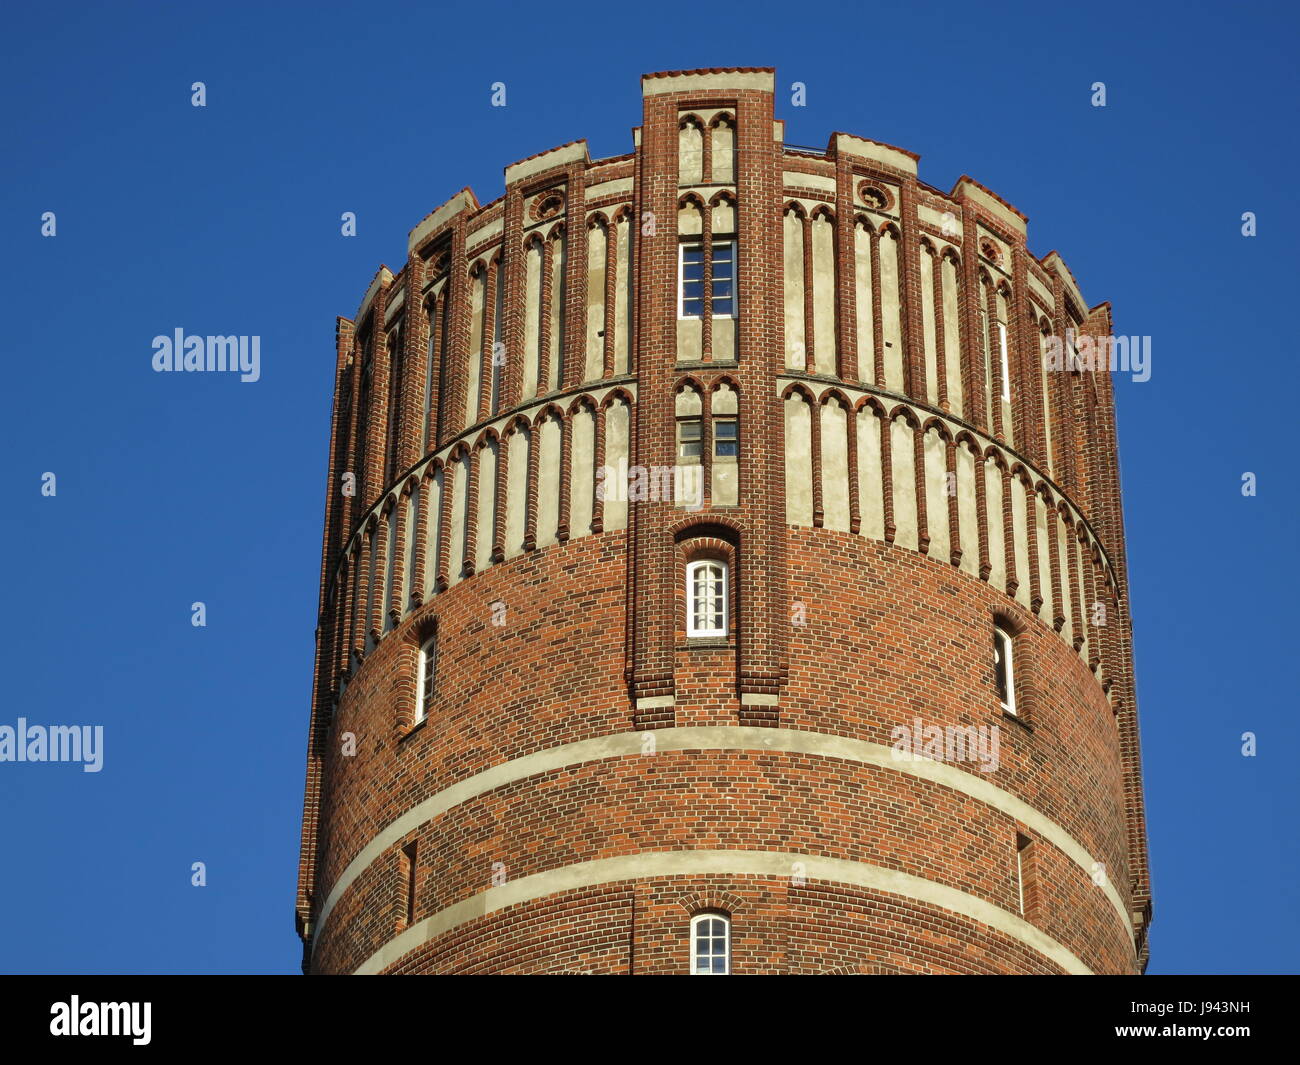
(654, 864)
(719, 738)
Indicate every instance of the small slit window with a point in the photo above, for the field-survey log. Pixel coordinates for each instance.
(706, 598)
(1004, 669)
(710, 945)
(1026, 880)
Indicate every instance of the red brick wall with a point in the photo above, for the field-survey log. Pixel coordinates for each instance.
(592, 625)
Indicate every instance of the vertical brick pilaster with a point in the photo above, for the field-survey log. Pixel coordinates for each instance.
(513, 279)
(846, 288)
(887, 475)
(456, 356)
(918, 482)
(1054, 561)
(545, 326)
(950, 491)
(940, 356)
(575, 279)
(1031, 524)
(415, 340)
(909, 272)
(972, 353)
(1009, 533)
(487, 367)
(379, 563)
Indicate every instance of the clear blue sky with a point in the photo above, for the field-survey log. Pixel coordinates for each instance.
(177, 488)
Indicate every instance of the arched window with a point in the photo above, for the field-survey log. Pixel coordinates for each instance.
(425, 686)
(710, 945)
(706, 598)
(1004, 676)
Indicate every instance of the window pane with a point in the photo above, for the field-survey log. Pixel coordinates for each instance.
(724, 430)
(690, 430)
(1000, 663)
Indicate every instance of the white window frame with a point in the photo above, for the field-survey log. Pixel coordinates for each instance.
(693, 628)
(698, 920)
(422, 667)
(706, 297)
(1003, 641)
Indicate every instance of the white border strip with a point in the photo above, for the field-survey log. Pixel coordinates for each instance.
(718, 738)
(654, 864)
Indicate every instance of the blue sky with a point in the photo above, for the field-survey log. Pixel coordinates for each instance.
(224, 219)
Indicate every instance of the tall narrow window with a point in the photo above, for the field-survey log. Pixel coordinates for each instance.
(724, 274)
(691, 276)
(1004, 669)
(706, 598)
(710, 945)
(692, 281)
(425, 687)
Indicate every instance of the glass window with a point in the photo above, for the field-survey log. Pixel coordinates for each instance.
(706, 598)
(724, 274)
(425, 686)
(692, 281)
(726, 439)
(722, 294)
(690, 437)
(710, 945)
(1003, 669)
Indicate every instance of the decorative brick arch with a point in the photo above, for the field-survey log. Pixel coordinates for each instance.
(725, 903)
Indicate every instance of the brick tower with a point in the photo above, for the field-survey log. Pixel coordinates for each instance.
(723, 572)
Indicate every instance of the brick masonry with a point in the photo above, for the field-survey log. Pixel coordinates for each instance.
(560, 616)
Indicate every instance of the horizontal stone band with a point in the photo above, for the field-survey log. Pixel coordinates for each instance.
(719, 738)
(655, 864)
